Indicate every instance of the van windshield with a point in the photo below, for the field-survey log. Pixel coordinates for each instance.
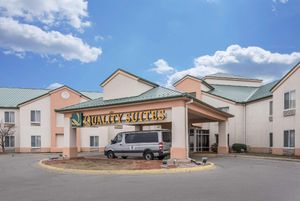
(166, 137)
(117, 139)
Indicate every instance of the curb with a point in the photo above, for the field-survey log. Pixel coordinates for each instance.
(266, 158)
(126, 172)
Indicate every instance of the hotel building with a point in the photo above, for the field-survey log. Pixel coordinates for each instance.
(220, 108)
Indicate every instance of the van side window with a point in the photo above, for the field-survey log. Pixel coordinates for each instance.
(141, 137)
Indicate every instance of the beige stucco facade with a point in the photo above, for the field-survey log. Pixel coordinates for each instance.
(251, 123)
(123, 85)
(282, 122)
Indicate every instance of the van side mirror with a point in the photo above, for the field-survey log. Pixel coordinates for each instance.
(112, 141)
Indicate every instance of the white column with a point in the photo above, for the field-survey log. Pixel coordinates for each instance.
(179, 133)
(70, 147)
(195, 140)
(223, 135)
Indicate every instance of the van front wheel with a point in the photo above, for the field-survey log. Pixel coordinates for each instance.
(148, 155)
(110, 155)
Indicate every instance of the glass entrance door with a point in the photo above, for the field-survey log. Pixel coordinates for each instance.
(199, 140)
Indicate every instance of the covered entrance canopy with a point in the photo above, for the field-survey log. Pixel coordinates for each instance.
(171, 109)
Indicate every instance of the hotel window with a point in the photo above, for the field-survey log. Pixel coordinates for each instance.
(9, 141)
(35, 141)
(271, 139)
(290, 100)
(289, 138)
(271, 108)
(9, 117)
(94, 141)
(217, 138)
(35, 117)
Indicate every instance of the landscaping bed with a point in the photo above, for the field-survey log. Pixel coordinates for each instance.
(104, 164)
(87, 163)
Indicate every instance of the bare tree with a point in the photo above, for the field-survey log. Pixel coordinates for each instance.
(5, 130)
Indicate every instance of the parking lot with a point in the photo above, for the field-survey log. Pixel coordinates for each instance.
(234, 179)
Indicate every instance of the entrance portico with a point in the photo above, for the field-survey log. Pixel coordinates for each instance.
(176, 114)
(131, 100)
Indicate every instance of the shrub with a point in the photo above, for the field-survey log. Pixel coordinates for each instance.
(239, 148)
(214, 147)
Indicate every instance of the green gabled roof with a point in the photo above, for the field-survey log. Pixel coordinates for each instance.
(152, 94)
(235, 93)
(230, 76)
(242, 94)
(12, 97)
(263, 92)
(158, 93)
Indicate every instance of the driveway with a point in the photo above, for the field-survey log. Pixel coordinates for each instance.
(234, 179)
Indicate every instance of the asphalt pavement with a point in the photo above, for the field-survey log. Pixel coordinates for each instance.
(234, 179)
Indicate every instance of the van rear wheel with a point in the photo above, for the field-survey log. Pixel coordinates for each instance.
(148, 155)
(110, 155)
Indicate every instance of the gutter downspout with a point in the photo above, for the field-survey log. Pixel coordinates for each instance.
(245, 124)
(187, 128)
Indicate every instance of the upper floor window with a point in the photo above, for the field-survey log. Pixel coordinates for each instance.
(9, 117)
(289, 138)
(35, 117)
(290, 100)
(271, 108)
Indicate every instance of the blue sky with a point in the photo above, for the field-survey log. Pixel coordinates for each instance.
(81, 43)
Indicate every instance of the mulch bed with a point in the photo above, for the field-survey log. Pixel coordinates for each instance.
(105, 164)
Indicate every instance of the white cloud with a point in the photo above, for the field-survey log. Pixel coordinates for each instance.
(98, 38)
(20, 38)
(21, 55)
(266, 78)
(49, 12)
(281, 1)
(237, 54)
(275, 2)
(161, 67)
(54, 85)
(198, 71)
(250, 61)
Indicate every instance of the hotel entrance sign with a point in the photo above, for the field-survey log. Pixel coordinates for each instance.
(80, 120)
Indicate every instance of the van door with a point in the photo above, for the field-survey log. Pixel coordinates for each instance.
(131, 144)
(118, 144)
(138, 142)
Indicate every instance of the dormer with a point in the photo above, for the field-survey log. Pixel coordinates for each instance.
(192, 85)
(123, 84)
